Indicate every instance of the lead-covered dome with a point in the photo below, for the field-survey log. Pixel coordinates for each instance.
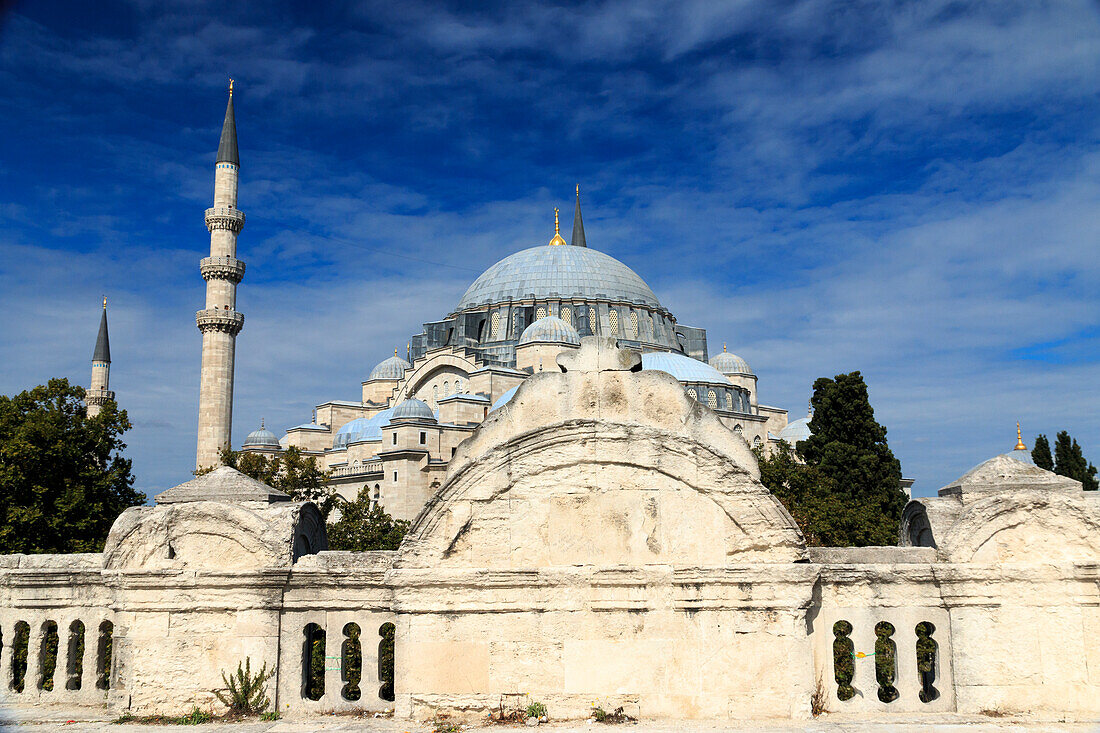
(363, 428)
(262, 438)
(684, 368)
(728, 363)
(392, 368)
(558, 272)
(413, 409)
(550, 330)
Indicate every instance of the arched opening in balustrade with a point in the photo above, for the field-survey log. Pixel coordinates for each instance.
(74, 665)
(47, 658)
(105, 650)
(844, 660)
(20, 643)
(886, 652)
(351, 662)
(385, 661)
(927, 652)
(313, 663)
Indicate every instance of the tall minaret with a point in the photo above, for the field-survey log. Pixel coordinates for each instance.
(98, 392)
(219, 321)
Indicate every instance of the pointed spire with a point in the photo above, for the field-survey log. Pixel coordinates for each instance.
(1020, 445)
(102, 342)
(557, 240)
(227, 148)
(578, 225)
(261, 423)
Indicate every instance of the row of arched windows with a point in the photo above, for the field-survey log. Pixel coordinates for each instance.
(733, 400)
(51, 653)
(631, 329)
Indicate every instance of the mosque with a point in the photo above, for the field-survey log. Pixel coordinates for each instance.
(512, 322)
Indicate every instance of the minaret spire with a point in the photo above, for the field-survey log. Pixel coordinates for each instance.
(99, 390)
(578, 225)
(219, 321)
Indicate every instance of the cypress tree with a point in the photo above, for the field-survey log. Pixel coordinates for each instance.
(1069, 460)
(1041, 453)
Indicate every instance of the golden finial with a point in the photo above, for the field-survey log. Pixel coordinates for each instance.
(261, 423)
(231, 87)
(578, 190)
(723, 347)
(104, 302)
(395, 351)
(557, 240)
(1019, 438)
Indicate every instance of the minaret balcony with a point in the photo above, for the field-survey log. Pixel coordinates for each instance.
(221, 268)
(225, 321)
(223, 217)
(98, 397)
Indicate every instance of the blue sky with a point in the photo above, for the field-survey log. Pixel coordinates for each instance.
(907, 189)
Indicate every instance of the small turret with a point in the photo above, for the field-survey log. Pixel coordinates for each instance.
(98, 391)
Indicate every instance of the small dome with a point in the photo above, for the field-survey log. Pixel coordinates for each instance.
(412, 409)
(363, 428)
(796, 431)
(504, 399)
(262, 438)
(550, 330)
(684, 368)
(392, 368)
(728, 363)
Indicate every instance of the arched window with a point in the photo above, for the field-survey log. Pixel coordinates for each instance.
(515, 324)
(633, 324)
(757, 441)
(435, 395)
(567, 315)
(592, 320)
(494, 325)
(613, 320)
(446, 389)
(540, 314)
(692, 393)
(729, 401)
(712, 400)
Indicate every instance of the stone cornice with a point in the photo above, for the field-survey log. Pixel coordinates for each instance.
(225, 218)
(222, 268)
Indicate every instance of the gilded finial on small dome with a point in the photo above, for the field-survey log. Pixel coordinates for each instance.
(231, 87)
(1019, 438)
(104, 302)
(557, 240)
(723, 347)
(261, 423)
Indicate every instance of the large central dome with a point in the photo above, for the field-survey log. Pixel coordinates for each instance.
(541, 273)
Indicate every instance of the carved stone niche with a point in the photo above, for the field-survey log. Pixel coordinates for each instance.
(223, 520)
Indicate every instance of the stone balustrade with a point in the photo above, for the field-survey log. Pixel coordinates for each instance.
(365, 468)
(222, 268)
(226, 321)
(225, 218)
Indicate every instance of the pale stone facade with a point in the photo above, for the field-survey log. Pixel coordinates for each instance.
(596, 540)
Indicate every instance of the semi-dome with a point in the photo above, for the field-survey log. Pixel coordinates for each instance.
(262, 438)
(392, 368)
(795, 431)
(684, 368)
(362, 428)
(728, 363)
(558, 272)
(413, 409)
(550, 330)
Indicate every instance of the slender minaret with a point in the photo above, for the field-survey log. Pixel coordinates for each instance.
(577, 240)
(219, 321)
(99, 391)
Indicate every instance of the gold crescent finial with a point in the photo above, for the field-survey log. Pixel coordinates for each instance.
(395, 351)
(557, 240)
(578, 190)
(231, 87)
(723, 347)
(104, 302)
(1019, 438)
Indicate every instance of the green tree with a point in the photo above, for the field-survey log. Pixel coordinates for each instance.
(63, 479)
(811, 497)
(848, 447)
(1070, 461)
(290, 472)
(362, 527)
(1041, 453)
